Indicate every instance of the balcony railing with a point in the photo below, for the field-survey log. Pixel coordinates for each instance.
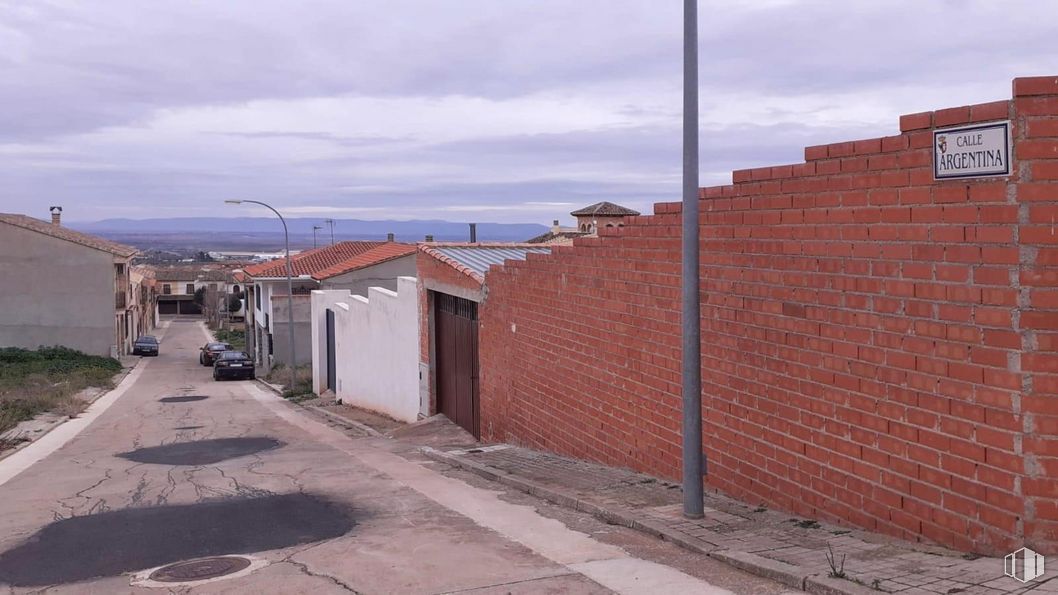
(120, 300)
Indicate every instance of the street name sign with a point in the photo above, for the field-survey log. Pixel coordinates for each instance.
(972, 151)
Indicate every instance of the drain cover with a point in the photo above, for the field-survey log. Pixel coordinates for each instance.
(199, 570)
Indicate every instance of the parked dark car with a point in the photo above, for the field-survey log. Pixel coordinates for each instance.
(210, 351)
(145, 345)
(233, 364)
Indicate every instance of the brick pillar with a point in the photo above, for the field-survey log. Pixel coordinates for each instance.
(1036, 153)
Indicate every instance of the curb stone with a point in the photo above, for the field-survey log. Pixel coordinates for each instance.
(275, 388)
(825, 585)
(345, 421)
(272, 387)
(781, 572)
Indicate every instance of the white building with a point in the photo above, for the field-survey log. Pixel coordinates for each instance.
(350, 266)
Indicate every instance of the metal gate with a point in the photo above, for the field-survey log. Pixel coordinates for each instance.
(456, 350)
(332, 382)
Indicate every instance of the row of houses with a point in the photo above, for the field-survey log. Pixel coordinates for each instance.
(63, 287)
(179, 285)
(84, 292)
(78, 290)
(387, 325)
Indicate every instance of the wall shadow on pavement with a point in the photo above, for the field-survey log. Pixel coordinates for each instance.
(116, 542)
(202, 452)
(183, 399)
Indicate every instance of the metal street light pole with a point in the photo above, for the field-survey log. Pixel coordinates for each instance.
(290, 289)
(693, 506)
(331, 223)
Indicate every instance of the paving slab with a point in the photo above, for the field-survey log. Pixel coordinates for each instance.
(769, 543)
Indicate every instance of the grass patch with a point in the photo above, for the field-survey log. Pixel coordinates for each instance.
(47, 379)
(303, 389)
(235, 337)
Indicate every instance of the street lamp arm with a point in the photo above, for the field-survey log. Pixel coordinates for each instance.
(267, 206)
(290, 288)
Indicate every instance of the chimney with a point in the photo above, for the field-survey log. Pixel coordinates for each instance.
(473, 233)
(429, 238)
(555, 227)
(389, 237)
(56, 216)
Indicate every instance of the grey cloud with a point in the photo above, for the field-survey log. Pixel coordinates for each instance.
(345, 141)
(70, 67)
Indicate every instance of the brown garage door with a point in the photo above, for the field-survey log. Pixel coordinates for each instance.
(456, 350)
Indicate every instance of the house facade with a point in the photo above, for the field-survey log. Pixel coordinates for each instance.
(63, 287)
(602, 215)
(144, 299)
(177, 287)
(590, 219)
(349, 266)
(452, 288)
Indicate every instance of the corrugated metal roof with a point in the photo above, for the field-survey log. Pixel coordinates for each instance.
(480, 258)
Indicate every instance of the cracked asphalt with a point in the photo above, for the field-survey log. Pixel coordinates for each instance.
(155, 480)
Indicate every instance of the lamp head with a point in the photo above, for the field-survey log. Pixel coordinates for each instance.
(233, 202)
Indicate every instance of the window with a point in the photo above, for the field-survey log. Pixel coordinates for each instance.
(257, 295)
(167, 289)
(119, 269)
(190, 288)
(213, 286)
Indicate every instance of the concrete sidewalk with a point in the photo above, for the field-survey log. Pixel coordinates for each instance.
(772, 544)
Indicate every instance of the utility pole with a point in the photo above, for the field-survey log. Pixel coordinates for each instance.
(331, 223)
(693, 505)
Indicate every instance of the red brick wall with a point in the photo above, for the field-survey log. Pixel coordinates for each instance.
(879, 349)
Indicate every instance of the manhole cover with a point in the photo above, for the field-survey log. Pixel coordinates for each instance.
(198, 570)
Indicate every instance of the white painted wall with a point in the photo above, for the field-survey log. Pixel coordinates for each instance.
(322, 300)
(265, 291)
(377, 347)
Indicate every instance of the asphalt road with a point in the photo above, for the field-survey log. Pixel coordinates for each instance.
(173, 467)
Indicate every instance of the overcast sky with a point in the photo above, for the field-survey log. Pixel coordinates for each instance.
(467, 110)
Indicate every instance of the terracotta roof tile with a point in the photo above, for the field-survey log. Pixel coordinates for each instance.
(311, 262)
(387, 251)
(65, 233)
(604, 209)
(552, 237)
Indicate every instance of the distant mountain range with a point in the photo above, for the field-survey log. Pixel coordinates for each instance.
(216, 232)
